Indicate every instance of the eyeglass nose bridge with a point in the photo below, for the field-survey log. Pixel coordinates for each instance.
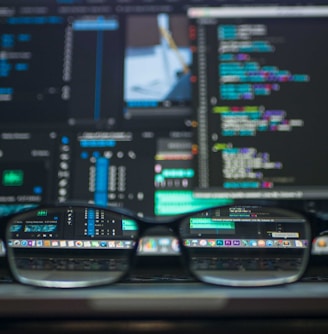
(159, 239)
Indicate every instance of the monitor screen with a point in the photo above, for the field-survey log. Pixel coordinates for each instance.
(162, 107)
(95, 102)
(260, 77)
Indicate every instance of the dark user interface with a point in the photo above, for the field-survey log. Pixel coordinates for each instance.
(74, 229)
(144, 105)
(66, 63)
(96, 105)
(229, 228)
(259, 78)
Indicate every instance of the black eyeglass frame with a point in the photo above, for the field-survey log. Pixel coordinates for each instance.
(145, 224)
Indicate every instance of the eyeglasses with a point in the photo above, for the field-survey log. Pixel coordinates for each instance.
(74, 246)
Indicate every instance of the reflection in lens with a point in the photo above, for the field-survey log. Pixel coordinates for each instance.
(71, 247)
(246, 245)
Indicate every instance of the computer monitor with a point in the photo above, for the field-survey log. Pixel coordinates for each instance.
(103, 101)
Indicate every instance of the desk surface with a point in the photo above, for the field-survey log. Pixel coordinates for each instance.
(159, 300)
(160, 308)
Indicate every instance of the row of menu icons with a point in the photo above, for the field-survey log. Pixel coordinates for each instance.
(250, 243)
(128, 244)
(78, 244)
